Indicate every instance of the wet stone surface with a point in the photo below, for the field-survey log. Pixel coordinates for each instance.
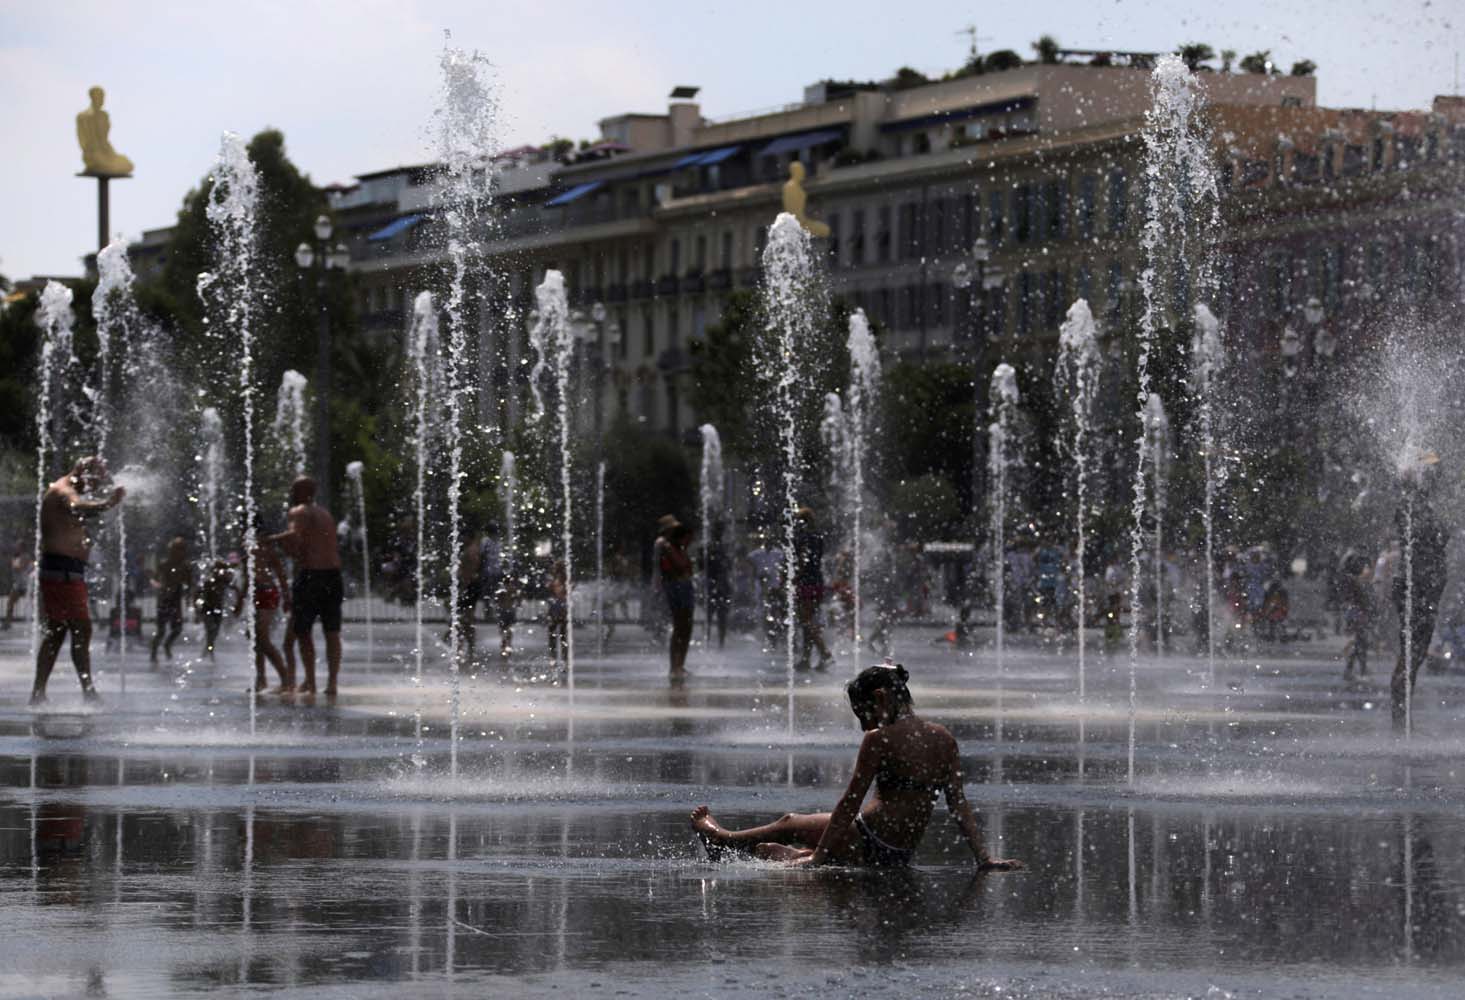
(1277, 839)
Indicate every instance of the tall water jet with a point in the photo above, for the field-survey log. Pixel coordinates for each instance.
(554, 346)
(834, 433)
(710, 494)
(232, 212)
(423, 352)
(1001, 454)
(211, 435)
(509, 478)
(354, 473)
(789, 293)
(288, 426)
(1181, 212)
(1207, 355)
(115, 312)
(600, 558)
(56, 319)
(1077, 376)
(864, 391)
(1157, 423)
(466, 123)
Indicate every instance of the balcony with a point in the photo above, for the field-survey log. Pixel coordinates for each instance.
(666, 284)
(719, 280)
(693, 282)
(641, 290)
(615, 293)
(749, 277)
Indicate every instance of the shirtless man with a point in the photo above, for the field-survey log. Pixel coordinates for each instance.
(65, 546)
(317, 592)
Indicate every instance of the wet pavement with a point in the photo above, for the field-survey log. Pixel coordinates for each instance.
(1277, 839)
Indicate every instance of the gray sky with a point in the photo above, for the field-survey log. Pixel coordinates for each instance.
(352, 84)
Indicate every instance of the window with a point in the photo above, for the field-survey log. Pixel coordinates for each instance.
(882, 235)
(1332, 276)
(908, 238)
(623, 338)
(995, 220)
(1027, 294)
(1114, 291)
(832, 249)
(1118, 202)
(884, 307)
(1022, 213)
(994, 312)
(1279, 281)
(971, 222)
(857, 238)
(936, 298)
(1378, 153)
(1055, 195)
(673, 328)
(910, 307)
(727, 249)
(1055, 294)
(674, 263)
(673, 410)
(648, 335)
(699, 320)
(700, 260)
(1088, 195)
(1083, 281)
(936, 228)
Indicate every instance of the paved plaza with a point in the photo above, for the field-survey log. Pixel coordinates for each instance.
(1277, 839)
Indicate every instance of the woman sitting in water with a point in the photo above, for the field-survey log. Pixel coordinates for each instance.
(909, 761)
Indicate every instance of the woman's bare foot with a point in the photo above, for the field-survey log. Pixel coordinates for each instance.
(710, 832)
(260, 684)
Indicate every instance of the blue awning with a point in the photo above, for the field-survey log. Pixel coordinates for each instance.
(576, 192)
(960, 114)
(717, 155)
(396, 227)
(687, 161)
(802, 140)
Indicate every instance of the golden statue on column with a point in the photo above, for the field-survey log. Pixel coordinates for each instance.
(97, 154)
(795, 200)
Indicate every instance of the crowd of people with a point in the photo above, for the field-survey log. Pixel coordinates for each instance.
(69, 513)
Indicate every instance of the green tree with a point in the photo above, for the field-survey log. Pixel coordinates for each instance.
(1228, 59)
(1304, 67)
(1046, 48)
(1002, 60)
(1258, 62)
(905, 78)
(1196, 53)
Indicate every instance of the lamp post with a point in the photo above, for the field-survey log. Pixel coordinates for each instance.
(318, 257)
(983, 277)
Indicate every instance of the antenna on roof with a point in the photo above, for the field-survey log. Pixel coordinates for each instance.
(971, 32)
(684, 93)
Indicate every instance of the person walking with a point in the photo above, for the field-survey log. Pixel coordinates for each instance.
(675, 567)
(808, 585)
(1419, 580)
(173, 581)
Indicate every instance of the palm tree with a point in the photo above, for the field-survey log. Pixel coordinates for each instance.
(1258, 62)
(1196, 53)
(1047, 49)
(1228, 56)
(1304, 67)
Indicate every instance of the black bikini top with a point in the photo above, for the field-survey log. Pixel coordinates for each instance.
(887, 780)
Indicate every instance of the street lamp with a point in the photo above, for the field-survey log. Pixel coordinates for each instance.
(319, 259)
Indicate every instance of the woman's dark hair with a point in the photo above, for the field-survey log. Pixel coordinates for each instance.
(891, 678)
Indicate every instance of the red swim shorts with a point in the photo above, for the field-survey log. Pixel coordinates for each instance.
(64, 600)
(266, 598)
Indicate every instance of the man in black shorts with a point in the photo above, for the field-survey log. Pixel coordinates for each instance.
(317, 592)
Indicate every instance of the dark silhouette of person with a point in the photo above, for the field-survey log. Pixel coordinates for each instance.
(1421, 579)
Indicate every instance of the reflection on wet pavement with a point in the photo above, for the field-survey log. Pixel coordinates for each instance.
(1277, 840)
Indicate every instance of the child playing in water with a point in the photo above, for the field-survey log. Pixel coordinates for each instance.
(271, 592)
(908, 760)
(212, 596)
